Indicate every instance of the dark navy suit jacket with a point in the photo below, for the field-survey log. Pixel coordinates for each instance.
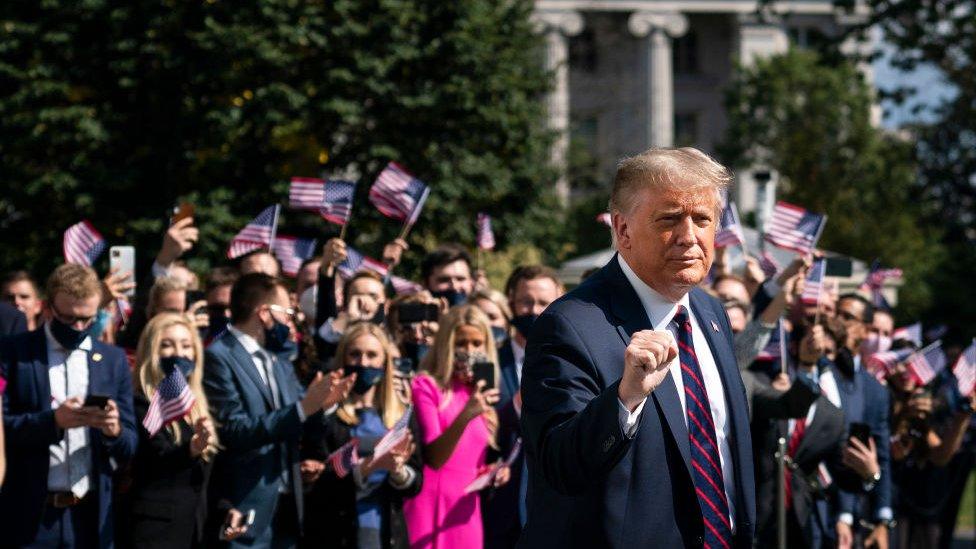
(590, 486)
(29, 425)
(258, 440)
(12, 321)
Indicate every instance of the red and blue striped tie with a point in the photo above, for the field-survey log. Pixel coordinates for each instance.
(706, 467)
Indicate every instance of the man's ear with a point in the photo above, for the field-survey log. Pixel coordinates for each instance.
(621, 231)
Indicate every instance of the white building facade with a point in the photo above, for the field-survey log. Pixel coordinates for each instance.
(632, 74)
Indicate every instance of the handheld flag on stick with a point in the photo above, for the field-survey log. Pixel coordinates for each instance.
(965, 370)
(794, 228)
(292, 252)
(402, 286)
(345, 458)
(486, 237)
(82, 244)
(172, 400)
(395, 435)
(768, 264)
(258, 233)
(883, 363)
(912, 332)
(399, 195)
(729, 231)
(355, 262)
(927, 363)
(814, 282)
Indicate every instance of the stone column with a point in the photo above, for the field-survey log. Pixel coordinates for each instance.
(558, 25)
(658, 29)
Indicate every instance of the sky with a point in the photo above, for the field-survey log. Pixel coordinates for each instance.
(927, 79)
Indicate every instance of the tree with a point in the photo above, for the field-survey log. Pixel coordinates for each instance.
(113, 111)
(810, 120)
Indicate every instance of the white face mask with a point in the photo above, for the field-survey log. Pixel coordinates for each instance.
(306, 302)
(875, 343)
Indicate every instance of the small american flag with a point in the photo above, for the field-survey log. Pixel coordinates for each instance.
(355, 262)
(306, 193)
(883, 363)
(397, 194)
(814, 282)
(345, 458)
(927, 363)
(965, 370)
(82, 243)
(402, 286)
(768, 264)
(172, 400)
(605, 218)
(793, 228)
(395, 435)
(292, 252)
(877, 276)
(777, 340)
(729, 231)
(912, 332)
(486, 237)
(338, 201)
(257, 234)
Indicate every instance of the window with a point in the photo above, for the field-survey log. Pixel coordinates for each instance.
(582, 51)
(684, 53)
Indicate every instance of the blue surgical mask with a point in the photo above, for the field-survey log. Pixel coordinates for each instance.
(523, 323)
(169, 363)
(68, 337)
(101, 322)
(276, 337)
(366, 378)
(500, 335)
(453, 297)
(414, 351)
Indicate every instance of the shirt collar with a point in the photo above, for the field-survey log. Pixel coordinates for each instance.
(249, 343)
(659, 309)
(52, 343)
(518, 351)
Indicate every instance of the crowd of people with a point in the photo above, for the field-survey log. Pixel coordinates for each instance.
(286, 375)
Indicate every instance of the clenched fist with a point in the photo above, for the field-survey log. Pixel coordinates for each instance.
(645, 365)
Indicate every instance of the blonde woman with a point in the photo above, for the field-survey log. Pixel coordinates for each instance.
(365, 508)
(457, 425)
(171, 468)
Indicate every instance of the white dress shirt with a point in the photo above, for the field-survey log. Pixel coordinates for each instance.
(70, 461)
(518, 352)
(260, 357)
(660, 312)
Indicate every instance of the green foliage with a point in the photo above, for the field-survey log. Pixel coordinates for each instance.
(114, 111)
(810, 121)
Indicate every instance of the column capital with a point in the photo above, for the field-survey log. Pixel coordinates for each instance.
(641, 23)
(566, 22)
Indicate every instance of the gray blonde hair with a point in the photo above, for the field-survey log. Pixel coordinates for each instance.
(686, 168)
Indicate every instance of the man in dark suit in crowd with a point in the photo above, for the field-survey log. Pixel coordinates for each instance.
(12, 321)
(634, 413)
(529, 289)
(63, 444)
(259, 407)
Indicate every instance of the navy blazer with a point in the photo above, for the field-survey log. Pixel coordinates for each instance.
(28, 422)
(864, 400)
(258, 441)
(508, 385)
(12, 320)
(591, 486)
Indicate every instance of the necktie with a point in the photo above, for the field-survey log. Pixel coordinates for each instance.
(799, 427)
(706, 468)
(267, 362)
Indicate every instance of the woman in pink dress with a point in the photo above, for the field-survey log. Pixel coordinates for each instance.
(457, 423)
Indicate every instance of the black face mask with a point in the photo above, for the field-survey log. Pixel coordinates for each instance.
(169, 363)
(523, 323)
(366, 378)
(500, 335)
(276, 337)
(845, 361)
(68, 337)
(453, 297)
(414, 351)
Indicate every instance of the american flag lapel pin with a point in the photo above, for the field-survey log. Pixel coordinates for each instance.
(715, 326)
(97, 357)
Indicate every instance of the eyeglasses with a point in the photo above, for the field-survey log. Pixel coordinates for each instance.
(292, 313)
(844, 315)
(72, 320)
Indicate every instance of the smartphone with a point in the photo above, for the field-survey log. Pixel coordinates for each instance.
(181, 212)
(248, 522)
(861, 431)
(97, 401)
(122, 259)
(193, 296)
(417, 312)
(484, 370)
(838, 267)
(403, 365)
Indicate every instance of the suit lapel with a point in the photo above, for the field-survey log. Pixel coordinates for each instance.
(824, 416)
(281, 377)
(626, 306)
(98, 383)
(245, 366)
(42, 378)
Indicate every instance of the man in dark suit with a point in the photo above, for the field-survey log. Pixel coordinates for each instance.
(61, 453)
(634, 413)
(12, 321)
(529, 289)
(259, 407)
